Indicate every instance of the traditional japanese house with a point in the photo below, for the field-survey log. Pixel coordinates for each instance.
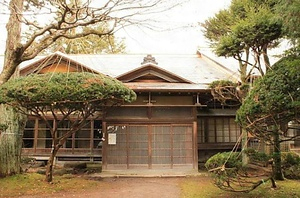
(175, 122)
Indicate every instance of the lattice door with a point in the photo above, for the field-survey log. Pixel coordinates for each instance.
(161, 145)
(150, 146)
(138, 146)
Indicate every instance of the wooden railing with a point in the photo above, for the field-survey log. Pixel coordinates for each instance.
(64, 154)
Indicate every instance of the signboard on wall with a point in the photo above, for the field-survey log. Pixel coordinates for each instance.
(112, 138)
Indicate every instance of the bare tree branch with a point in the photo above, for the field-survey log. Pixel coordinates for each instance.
(68, 20)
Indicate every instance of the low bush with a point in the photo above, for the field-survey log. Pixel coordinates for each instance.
(290, 159)
(257, 157)
(229, 159)
(290, 165)
(224, 167)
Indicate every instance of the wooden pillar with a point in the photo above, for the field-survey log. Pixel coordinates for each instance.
(127, 146)
(36, 131)
(149, 146)
(92, 137)
(195, 138)
(195, 145)
(172, 145)
(104, 146)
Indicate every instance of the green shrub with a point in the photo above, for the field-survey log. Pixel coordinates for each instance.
(292, 172)
(256, 156)
(224, 166)
(290, 159)
(230, 159)
(290, 165)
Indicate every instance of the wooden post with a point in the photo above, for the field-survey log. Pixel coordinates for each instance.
(195, 145)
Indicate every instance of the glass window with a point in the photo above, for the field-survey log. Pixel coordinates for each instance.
(81, 139)
(28, 135)
(218, 129)
(44, 138)
(98, 134)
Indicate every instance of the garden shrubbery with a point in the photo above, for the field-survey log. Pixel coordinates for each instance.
(224, 167)
(229, 159)
(232, 162)
(290, 165)
(258, 157)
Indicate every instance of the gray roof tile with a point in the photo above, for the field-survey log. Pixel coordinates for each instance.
(198, 69)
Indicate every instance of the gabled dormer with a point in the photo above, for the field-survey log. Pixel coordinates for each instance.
(56, 62)
(149, 72)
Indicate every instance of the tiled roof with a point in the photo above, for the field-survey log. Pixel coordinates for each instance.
(191, 67)
(198, 68)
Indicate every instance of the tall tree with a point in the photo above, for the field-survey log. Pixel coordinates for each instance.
(74, 97)
(47, 21)
(272, 104)
(245, 31)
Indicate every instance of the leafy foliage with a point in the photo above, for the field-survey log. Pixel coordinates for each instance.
(290, 14)
(274, 100)
(290, 162)
(247, 26)
(230, 175)
(290, 159)
(291, 165)
(222, 83)
(224, 167)
(228, 159)
(271, 105)
(67, 89)
(255, 156)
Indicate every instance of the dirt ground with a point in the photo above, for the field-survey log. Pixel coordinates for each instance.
(128, 187)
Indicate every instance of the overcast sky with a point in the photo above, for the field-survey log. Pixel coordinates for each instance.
(179, 40)
(183, 40)
(186, 40)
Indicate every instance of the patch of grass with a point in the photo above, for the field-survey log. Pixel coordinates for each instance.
(196, 187)
(34, 184)
(201, 187)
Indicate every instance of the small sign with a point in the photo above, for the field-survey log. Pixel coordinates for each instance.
(112, 139)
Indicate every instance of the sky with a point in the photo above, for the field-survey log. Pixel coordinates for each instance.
(175, 41)
(184, 40)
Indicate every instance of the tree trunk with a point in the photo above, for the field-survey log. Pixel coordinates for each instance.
(245, 158)
(243, 72)
(49, 170)
(11, 121)
(13, 50)
(50, 163)
(277, 170)
(266, 58)
(11, 134)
